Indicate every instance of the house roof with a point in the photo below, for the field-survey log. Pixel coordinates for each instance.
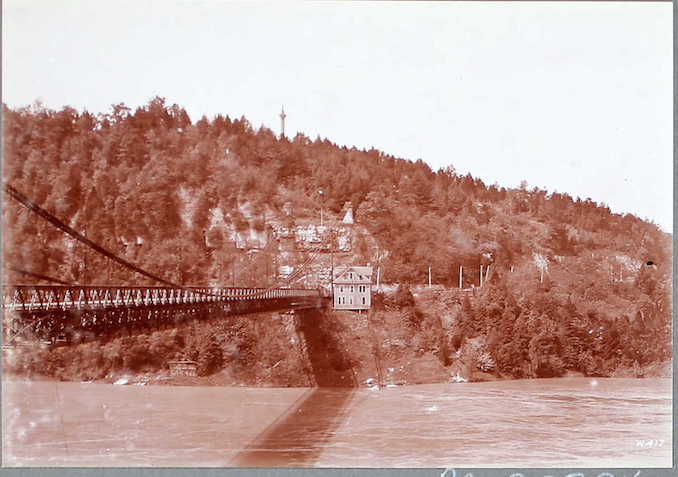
(362, 274)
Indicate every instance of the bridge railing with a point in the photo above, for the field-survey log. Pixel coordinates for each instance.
(65, 297)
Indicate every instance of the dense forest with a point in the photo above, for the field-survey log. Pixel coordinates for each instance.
(572, 285)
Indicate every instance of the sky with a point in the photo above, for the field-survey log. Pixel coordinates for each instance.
(571, 97)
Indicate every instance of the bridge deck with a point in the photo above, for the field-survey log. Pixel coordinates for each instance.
(43, 312)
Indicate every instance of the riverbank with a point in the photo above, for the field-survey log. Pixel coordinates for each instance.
(405, 339)
(420, 373)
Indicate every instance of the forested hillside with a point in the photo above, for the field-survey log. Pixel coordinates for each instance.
(146, 183)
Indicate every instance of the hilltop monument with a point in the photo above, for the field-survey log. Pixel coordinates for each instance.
(282, 122)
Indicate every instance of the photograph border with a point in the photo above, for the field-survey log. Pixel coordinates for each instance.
(410, 472)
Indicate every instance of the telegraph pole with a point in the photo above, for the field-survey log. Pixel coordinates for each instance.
(322, 203)
(332, 245)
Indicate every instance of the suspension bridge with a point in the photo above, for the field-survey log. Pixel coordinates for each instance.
(72, 313)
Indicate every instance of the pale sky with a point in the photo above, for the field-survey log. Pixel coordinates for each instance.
(574, 97)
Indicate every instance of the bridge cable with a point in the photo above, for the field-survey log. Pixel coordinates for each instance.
(37, 275)
(28, 203)
(289, 279)
(32, 206)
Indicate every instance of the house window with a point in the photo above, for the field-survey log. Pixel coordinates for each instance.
(341, 289)
(350, 275)
(363, 300)
(351, 288)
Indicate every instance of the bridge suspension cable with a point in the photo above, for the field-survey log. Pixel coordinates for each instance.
(39, 276)
(29, 204)
(291, 278)
(32, 206)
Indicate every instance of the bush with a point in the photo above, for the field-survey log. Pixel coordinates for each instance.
(378, 301)
(550, 367)
(136, 358)
(484, 362)
(414, 317)
(403, 297)
(210, 358)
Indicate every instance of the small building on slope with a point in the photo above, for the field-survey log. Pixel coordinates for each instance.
(352, 288)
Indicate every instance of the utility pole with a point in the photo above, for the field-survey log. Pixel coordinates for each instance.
(378, 277)
(322, 202)
(481, 276)
(333, 243)
(461, 277)
(429, 276)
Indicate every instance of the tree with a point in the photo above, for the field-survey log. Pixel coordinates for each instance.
(210, 358)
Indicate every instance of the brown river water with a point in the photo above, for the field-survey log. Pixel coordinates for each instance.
(566, 422)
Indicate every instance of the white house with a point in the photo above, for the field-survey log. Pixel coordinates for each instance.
(352, 288)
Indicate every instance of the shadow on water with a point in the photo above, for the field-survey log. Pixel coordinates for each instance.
(298, 436)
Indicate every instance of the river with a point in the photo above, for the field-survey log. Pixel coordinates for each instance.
(566, 422)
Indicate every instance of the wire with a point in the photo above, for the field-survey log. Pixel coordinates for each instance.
(29, 204)
(37, 275)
